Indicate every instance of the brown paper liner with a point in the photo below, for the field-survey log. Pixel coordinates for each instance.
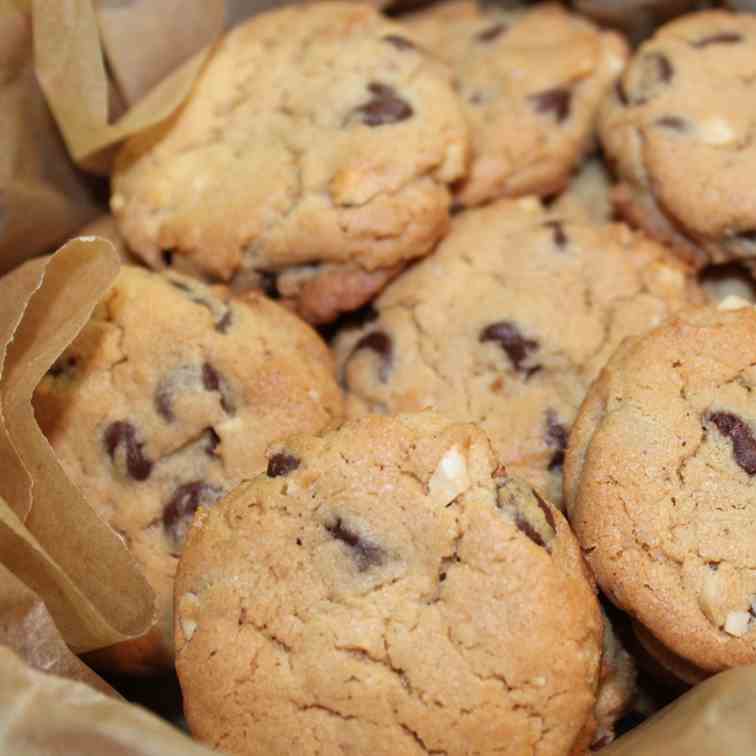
(43, 715)
(43, 199)
(50, 537)
(27, 627)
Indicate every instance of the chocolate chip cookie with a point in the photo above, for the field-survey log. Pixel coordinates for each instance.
(530, 82)
(318, 136)
(507, 324)
(386, 589)
(588, 195)
(659, 484)
(167, 399)
(678, 128)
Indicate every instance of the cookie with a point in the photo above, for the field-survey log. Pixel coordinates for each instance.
(318, 135)
(659, 484)
(678, 129)
(530, 82)
(386, 589)
(728, 280)
(167, 399)
(587, 197)
(507, 324)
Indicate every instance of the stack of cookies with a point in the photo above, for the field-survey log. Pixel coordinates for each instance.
(393, 395)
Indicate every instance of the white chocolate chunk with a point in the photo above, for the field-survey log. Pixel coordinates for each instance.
(450, 478)
(737, 623)
(733, 302)
(716, 131)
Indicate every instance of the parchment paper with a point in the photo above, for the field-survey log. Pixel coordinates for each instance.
(42, 715)
(50, 538)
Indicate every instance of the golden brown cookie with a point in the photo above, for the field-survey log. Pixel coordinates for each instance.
(166, 400)
(507, 324)
(319, 140)
(386, 589)
(660, 490)
(530, 81)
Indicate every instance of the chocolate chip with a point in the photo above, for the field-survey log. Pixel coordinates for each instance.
(63, 366)
(672, 122)
(546, 509)
(386, 107)
(525, 527)
(164, 401)
(400, 43)
(620, 92)
(556, 438)
(723, 38)
(747, 236)
(213, 381)
(557, 228)
(491, 33)
(282, 464)
(213, 442)
(743, 442)
(365, 553)
(269, 284)
(380, 343)
(167, 255)
(517, 347)
(654, 71)
(224, 323)
(179, 511)
(556, 101)
(123, 433)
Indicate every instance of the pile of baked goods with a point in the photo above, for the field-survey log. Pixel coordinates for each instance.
(423, 397)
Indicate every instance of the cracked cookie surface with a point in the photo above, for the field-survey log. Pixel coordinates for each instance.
(679, 128)
(386, 589)
(316, 135)
(659, 484)
(168, 398)
(507, 324)
(530, 82)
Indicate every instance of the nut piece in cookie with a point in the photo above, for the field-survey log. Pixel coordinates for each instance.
(315, 152)
(507, 324)
(164, 402)
(393, 592)
(660, 475)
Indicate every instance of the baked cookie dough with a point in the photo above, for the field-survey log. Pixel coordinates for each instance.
(167, 399)
(507, 324)
(387, 589)
(530, 81)
(317, 135)
(660, 491)
(678, 128)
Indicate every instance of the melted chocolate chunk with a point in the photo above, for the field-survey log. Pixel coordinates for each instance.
(741, 436)
(269, 284)
(517, 347)
(546, 509)
(179, 511)
(556, 101)
(525, 527)
(63, 366)
(619, 88)
(672, 122)
(213, 442)
(400, 43)
(164, 401)
(723, 38)
(224, 323)
(556, 438)
(365, 553)
(167, 255)
(123, 433)
(491, 33)
(386, 107)
(654, 73)
(213, 381)
(282, 464)
(557, 228)
(380, 343)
